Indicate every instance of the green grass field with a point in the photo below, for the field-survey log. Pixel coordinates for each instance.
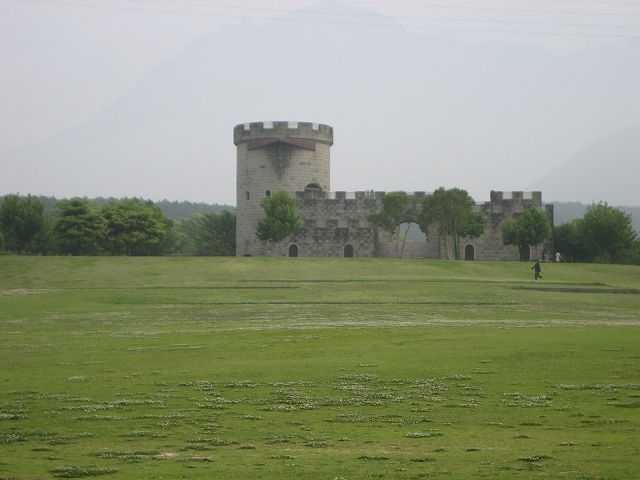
(317, 368)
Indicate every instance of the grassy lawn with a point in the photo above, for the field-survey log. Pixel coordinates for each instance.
(317, 368)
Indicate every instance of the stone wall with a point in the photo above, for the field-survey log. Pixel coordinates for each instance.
(333, 220)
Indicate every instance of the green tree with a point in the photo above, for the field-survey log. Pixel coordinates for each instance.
(635, 253)
(607, 233)
(79, 229)
(212, 234)
(567, 239)
(22, 224)
(452, 213)
(43, 242)
(396, 211)
(135, 227)
(281, 218)
(529, 228)
(604, 234)
(177, 242)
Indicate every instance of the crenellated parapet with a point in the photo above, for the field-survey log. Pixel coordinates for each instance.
(529, 199)
(340, 196)
(284, 131)
(315, 194)
(503, 205)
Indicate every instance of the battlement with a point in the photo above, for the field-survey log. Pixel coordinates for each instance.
(317, 194)
(313, 194)
(518, 197)
(497, 197)
(246, 132)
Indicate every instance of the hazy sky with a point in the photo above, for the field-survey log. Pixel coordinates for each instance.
(81, 68)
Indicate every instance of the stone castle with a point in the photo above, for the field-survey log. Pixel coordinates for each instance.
(295, 157)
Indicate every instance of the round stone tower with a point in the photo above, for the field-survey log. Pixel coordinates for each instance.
(272, 157)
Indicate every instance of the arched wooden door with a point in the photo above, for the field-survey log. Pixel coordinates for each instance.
(348, 251)
(293, 250)
(469, 252)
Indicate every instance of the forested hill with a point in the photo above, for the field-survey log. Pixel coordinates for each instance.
(175, 210)
(565, 212)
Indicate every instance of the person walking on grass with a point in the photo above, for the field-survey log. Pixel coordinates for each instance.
(537, 270)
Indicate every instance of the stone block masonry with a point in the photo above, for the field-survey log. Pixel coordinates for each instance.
(295, 157)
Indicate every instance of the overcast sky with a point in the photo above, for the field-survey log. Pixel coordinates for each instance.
(73, 65)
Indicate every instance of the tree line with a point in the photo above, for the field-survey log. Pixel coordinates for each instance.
(604, 235)
(129, 226)
(565, 212)
(137, 227)
(174, 210)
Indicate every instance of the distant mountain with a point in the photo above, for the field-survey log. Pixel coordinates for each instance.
(178, 210)
(607, 170)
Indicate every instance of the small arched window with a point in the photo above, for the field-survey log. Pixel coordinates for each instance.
(267, 193)
(248, 196)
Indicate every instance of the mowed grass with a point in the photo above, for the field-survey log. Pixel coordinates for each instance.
(317, 368)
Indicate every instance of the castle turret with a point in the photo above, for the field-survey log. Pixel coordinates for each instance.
(272, 157)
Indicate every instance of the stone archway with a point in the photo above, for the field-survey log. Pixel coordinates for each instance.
(469, 252)
(348, 251)
(293, 250)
